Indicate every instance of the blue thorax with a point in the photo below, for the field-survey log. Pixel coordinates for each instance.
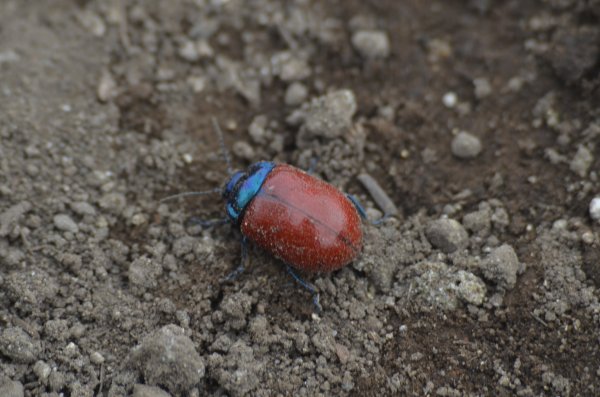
(243, 186)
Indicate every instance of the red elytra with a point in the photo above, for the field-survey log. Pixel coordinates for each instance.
(304, 221)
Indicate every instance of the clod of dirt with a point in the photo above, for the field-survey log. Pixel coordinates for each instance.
(434, 285)
(169, 358)
(371, 44)
(591, 263)
(483, 88)
(565, 286)
(12, 389)
(327, 116)
(42, 370)
(237, 76)
(148, 391)
(238, 372)
(446, 234)
(10, 257)
(236, 308)
(465, 145)
(501, 267)
(289, 67)
(143, 272)
(17, 345)
(56, 330)
(558, 384)
(575, 52)
(29, 289)
(480, 221)
(9, 217)
(327, 133)
(582, 161)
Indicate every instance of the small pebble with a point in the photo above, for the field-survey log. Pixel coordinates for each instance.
(465, 145)
(96, 358)
(65, 223)
(294, 69)
(483, 88)
(188, 51)
(107, 87)
(138, 219)
(450, 100)
(243, 150)
(587, 237)
(83, 208)
(446, 234)
(595, 209)
(295, 94)
(371, 44)
(258, 129)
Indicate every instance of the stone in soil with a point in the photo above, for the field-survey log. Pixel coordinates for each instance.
(501, 267)
(446, 234)
(169, 358)
(371, 44)
(465, 145)
(18, 346)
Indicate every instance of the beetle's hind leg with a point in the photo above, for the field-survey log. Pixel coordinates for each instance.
(244, 259)
(306, 285)
(363, 213)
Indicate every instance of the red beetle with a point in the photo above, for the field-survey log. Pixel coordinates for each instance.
(304, 221)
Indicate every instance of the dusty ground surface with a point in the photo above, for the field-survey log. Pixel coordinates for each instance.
(486, 283)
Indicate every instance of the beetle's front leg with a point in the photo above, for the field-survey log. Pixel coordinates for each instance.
(244, 258)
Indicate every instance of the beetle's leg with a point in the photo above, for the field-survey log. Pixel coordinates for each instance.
(358, 205)
(306, 285)
(363, 213)
(312, 165)
(195, 221)
(240, 269)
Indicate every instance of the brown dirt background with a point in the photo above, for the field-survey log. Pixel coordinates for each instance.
(105, 108)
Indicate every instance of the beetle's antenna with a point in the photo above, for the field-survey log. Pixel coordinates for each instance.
(186, 194)
(224, 150)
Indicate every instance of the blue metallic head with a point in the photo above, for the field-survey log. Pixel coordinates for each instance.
(243, 186)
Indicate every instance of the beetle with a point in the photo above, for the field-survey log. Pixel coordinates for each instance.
(300, 219)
